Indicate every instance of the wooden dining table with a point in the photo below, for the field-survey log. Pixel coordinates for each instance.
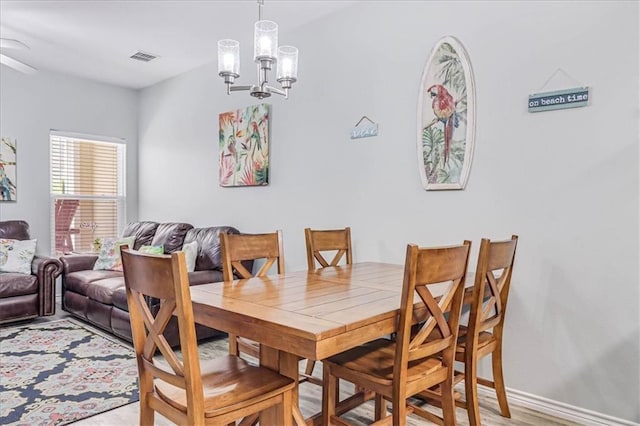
(306, 314)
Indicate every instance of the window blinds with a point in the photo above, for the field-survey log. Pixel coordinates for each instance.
(87, 192)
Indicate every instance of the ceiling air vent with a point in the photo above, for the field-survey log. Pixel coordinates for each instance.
(143, 56)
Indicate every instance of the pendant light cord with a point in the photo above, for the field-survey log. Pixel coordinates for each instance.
(260, 4)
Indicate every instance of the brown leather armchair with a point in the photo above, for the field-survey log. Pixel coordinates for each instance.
(27, 296)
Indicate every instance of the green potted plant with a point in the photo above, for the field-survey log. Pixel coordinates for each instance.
(97, 245)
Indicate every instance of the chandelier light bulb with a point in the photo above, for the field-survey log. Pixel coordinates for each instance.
(228, 61)
(265, 40)
(287, 64)
(228, 57)
(265, 46)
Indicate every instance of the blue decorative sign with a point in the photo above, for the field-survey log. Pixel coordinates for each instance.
(559, 99)
(365, 130)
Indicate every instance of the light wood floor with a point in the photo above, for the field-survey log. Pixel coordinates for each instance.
(311, 397)
(310, 402)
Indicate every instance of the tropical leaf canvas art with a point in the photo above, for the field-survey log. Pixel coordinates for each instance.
(244, 146)
(8, 188)
(446, 117)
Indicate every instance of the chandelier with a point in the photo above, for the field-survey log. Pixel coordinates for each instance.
(265, 48)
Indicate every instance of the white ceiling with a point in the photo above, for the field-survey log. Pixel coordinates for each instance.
(94, 39)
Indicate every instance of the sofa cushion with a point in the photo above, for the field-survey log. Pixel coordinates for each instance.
(209, 252)
(109, 257)
(17, 255)
(152, 249)
(171, 236)
(119, 298)
(79, 281)
(14, 229)
(14, 284)
(143, 231)
(102, 290)
(190, 254)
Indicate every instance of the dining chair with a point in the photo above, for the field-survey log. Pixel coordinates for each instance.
(398, 369)
(238, 248)
(483, 334)
(182, 389)
(319, 241)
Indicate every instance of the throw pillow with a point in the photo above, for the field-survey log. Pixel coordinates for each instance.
(109, 257)
(190, 253)
(17, 255)
(151, 249)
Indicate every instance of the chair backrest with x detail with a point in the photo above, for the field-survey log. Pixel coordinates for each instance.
(425, 270)
(165, 278)
(237, 248)
(318, 241)
(492, 283)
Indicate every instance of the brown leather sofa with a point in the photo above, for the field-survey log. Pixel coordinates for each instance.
(99, 296)
(27, 296)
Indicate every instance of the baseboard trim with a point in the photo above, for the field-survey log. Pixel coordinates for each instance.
(559, 409)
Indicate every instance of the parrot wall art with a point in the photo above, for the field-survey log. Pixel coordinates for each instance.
(445, 140)
(444, 108)
(8, 187)
(244, 146)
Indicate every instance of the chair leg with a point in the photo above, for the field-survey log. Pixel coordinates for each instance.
(328, 395)
(448, 403)
(309, 368)
(399, 413)
(298, 420)
(286, 409)
(380, 407)
(233, 345)
(147, 414)
(498, 380)
(471, 391)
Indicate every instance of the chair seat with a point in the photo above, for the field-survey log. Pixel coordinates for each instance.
(484, 339)
(228, 379)
(375, 362)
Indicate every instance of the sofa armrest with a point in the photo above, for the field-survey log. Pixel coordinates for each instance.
(77, 262)
(47, 269)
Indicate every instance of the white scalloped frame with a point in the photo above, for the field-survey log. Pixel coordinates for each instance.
(425, 102)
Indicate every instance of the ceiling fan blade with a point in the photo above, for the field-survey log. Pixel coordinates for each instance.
(16, 65)
(9, 43)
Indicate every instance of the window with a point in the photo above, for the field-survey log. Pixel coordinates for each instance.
(87, 190)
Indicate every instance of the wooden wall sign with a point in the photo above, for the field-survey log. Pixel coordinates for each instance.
(559, 99)
(364, 129)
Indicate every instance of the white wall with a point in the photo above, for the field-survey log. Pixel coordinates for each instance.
(32, 105)
(565, 181)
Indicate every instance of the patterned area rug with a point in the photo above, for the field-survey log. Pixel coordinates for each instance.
(58, 372)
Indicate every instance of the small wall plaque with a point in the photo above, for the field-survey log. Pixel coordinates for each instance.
(365, 130)
(559, 99)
